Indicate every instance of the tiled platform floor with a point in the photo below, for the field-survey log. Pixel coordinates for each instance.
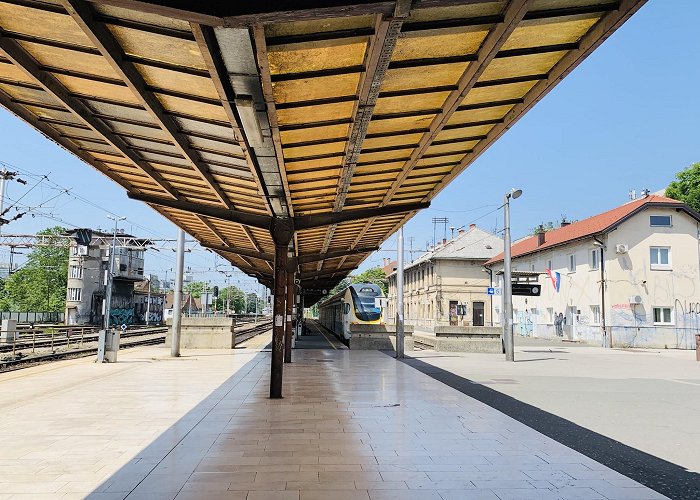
(353, 425)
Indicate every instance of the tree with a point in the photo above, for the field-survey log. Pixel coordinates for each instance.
(547, 226)
(687, 187)
(194, 288)
(40, 285)
(374, 275)
(340, 286)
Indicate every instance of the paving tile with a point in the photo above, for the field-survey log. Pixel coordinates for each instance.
(204, 428)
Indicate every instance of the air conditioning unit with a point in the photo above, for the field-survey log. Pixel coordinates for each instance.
(621, 248)
(635, 299)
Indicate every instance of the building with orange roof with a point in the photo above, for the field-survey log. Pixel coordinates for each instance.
(630, 275)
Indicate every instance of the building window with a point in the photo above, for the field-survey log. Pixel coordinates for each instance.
(550, 315)
(572, 263)
(660, 257)
(549, 264)
(76, 272)
(595, 259)
(660, 220)
(595, 315)
(532, 267)
(663, 316)
(74, 294)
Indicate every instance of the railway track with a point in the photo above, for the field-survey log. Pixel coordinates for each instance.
(23, 359)
(47, 340)
(27, 361)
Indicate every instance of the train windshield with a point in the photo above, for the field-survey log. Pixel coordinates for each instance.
(365, 306)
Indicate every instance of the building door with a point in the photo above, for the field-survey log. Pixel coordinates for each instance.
(453, 313)
(477, 313)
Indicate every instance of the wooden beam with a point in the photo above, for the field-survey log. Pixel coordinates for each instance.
(211, 52)
(326, 219)
(241, 251)
(498, 35)
(260, 45)
(588, 43)
(55, 88)
(253, 220)
(305, 259)
(82, 13)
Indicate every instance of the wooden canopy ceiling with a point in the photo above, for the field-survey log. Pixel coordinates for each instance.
(344, 118)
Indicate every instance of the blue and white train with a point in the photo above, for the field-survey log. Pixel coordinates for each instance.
(356, 304)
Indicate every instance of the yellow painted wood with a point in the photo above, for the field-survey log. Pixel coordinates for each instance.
(316, 56)
(308, 89)
(318, 25)
(318, 149)
(43, 24)
(542, 32)
(498, 92)
(452, 147)
(457, 11)
(417, 102)
(313, 164)
(461, 132)
(385, 155)
(319, 113)
(476, 115)
(187, 106)
(178, 81)
(423, 77)
(399, 124)
(158, 47)
(314, 134)
(439, 43)
(510, 67)
(396, 140)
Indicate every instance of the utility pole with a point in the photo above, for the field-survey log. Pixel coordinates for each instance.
(5, 176)
(177, 295)
(110, 274)
(507, 280)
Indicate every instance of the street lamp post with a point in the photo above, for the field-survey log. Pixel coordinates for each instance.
(110, 273)
(507, 279)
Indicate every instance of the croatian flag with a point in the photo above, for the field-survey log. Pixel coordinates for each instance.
(556, 279)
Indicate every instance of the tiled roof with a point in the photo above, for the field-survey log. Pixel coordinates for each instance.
(474, 244)
(588, 227)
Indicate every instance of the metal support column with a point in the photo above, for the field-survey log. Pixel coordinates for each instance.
(278, 318)
(177, 295)
(289, 324)
(399, 296)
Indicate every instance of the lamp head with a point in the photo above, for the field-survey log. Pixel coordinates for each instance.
(515, 193)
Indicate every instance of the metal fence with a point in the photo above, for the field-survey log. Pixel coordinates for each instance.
(34, 317)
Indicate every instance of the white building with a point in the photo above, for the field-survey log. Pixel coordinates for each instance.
(447, 286)
(646, 255)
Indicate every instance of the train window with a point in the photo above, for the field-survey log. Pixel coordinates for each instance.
(369, 291)
(346, 308)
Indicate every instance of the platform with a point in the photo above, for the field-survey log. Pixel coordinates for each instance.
(352, 425)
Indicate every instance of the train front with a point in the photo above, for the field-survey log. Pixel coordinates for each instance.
(367, 303)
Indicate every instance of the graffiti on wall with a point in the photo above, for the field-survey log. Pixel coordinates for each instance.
(121, 316)
(525, 323)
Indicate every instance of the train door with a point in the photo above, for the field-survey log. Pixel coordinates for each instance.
(453, 312)
(347, 313)
(478, 313)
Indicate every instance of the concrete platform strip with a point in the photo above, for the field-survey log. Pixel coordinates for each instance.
(358, 426)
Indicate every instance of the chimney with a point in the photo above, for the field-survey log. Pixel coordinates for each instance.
(565, 223)
(540, 235)
(472, 226)
(461, 231)
(444, 241)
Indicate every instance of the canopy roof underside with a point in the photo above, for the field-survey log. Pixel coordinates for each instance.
(233, 115)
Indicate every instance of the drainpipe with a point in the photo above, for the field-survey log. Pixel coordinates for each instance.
(606, 338)
(490, 271)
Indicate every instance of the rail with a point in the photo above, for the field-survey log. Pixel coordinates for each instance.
(72, 342)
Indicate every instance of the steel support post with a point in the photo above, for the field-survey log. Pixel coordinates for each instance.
(399, 296)
(278, 318)
(177, 295)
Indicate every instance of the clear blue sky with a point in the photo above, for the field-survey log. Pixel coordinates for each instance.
(624, 119)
